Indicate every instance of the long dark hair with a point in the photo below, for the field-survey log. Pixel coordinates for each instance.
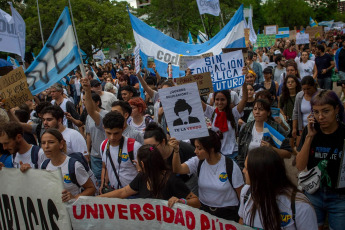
(228, 109)
(267, 174)
(155, 131)
(154, 168)
(285, 91)
(213, 141)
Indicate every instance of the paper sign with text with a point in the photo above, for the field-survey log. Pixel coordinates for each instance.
(225, 69)
(203, 80)
(185, 59)
(265, 40)
(302, 38)
(270, 30)
(14, 89)
(32, 200)
(183, 111)
(111, 213)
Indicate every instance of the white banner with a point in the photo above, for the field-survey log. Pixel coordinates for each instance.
(225, 69)
(32, 200)
(209, 7)
(19, 25)
(106, 213)
(8, 37)
(302, 38)
(183, 111)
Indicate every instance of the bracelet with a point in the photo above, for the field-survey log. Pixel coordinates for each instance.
(183, 200)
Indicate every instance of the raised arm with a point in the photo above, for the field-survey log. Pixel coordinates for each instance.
(242, 104)
(176, 162)
(89, 105)
(149, 91)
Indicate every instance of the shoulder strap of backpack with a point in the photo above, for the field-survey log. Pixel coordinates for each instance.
(199, 167)
(293, 205)
(71, 171)
(229, 164)
(212, 117)
(104, 144)
(130, 148)
(81, 159)
(34, 155)
(45, 164)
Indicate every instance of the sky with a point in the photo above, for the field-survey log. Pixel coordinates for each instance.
(133, 3)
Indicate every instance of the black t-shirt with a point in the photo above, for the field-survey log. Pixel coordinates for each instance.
(247, 110)
(320, 147)
(186, 152)
(174, 187)
(341, 61)
(323, 62)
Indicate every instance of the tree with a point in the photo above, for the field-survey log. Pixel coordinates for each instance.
(325, 10)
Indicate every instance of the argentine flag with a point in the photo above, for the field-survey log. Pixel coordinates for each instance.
(274, 134)
(190, 38)
(312, 23)
(198, 40)
(283, 32)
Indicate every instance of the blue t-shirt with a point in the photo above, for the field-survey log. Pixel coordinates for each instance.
(133, 80)
(6, 159)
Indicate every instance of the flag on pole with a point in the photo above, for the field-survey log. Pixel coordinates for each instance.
(198, 40)
(58, 57)
(19, 25)
(312, 23)
(190, 38)
(252, 35)
(283, 32)
(274, 134)
(203, 37)
(209, 7)
(14, 62)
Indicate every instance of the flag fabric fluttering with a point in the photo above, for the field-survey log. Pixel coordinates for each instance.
(203, 37)
(209, 7)
(283, 32)
(274, 134)
(252, 35)
(190, 38)
(312, 23)
(198, 40)
(20, 28)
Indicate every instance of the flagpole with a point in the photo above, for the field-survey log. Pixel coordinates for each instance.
(39, 20)
(82, 67)
(203, 25)
(221, 16)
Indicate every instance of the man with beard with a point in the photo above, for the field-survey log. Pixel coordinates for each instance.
(324, 64)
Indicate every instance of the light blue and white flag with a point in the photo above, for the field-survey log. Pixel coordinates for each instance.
(9, 39)
(312, 23)
(252, 35)
(190, 38)
(283, 32)
(326, 23)
(198, 40)
(14, 62)
(57, 58)
(203, 37)
(19, 25)
(274, 134)
(165, 49)
(209, 7)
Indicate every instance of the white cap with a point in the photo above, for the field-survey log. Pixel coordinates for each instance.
(276, 52)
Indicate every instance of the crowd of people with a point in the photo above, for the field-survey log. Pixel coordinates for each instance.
(110, 141)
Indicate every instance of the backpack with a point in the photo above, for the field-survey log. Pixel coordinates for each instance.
(34, 155)
(74, 157)
(130, 147)
(229, 164)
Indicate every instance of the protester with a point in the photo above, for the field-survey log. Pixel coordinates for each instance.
(269, 84)
(340, 59)
(75, 81)
(306, 67)
(249, 105)
(269, 200)
(321, 145)
(138, 119)
(256, 67)
(290, 51)
(324, 65)
(106, 97)
(127, 93)
(279, 70)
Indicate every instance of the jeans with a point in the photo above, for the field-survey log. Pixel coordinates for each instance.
(325, 83)
(233, 156)
(96, 167)
(326, 201)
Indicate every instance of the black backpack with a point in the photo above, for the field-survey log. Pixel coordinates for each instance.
(34, 155)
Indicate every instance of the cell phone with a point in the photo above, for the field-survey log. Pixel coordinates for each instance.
(316, 124)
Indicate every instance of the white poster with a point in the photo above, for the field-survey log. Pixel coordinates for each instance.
(8, 38)
(32, 200)
(183, 111)
(209, 7)
(302, 38)
(112, 213)
(271, 30)
(225, 69)
(137, 59)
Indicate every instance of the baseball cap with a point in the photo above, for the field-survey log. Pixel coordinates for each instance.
(276, 52)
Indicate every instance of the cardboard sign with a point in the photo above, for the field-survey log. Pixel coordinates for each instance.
(185, 59)
(14, 89)
(265, 40)
(32, 199)
(203, 80)
(314, 31)
(183, 111)
(269, 30)
(302, 38)
(246, 36)
(292, 34)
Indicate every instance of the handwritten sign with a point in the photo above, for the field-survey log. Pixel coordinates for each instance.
(302, 38)
(270, 30)
(265, 40)
(185, 59)
(246, 36)
(341, 174)
(183, 111)
(203, 80)
(14, 88)
(292, 34)
(314, 31)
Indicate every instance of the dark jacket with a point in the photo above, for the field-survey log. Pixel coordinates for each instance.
(245, 138)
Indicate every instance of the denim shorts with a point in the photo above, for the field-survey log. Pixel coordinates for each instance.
(96, 166)
(329, 202)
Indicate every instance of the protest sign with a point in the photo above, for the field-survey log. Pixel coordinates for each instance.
(104, 213)
(265, 40)
(292, 34)
(14, 89)
(314, 31)
(32, 200)
(341, 174)
(246, 36)
(137, 59)
(203, 80)
(225, 69)
(185, 59)
(183, 111)
(302, 38)
(270, 30)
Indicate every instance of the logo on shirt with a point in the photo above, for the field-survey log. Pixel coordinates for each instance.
(286, 219)
(66, 179)
(124, 157)
(223, 177)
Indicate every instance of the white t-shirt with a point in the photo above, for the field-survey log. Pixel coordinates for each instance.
(26, 158)
(305, 215)
(305, 110)
(126, 170)
(214, 187)
(233, 97)
(305, 69)
(75, 141)
(107, 99)
(139, 128)
(256, 139)
(229, 144)
(80, 173)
